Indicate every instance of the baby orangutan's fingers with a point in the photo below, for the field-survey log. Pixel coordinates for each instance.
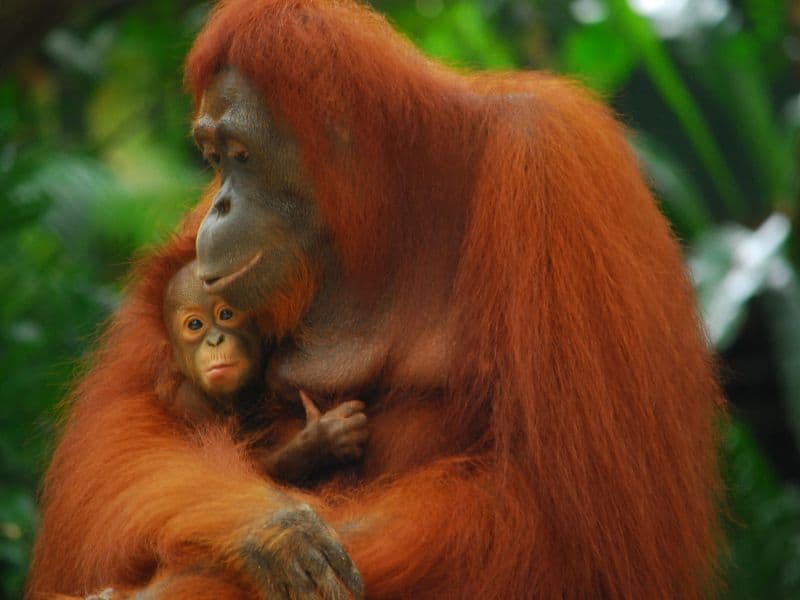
(356, 421)
(339, 428)
(312, 412)
(347, 409)
(349, 444)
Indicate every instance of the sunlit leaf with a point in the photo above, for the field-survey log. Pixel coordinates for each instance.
(730, 265)
(782, 299)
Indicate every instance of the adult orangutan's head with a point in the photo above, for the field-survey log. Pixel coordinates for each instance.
(262, 237)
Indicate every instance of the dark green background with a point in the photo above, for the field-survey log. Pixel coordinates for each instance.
(96, 163)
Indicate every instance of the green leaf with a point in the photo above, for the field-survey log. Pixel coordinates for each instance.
(597, 56)
(763, 524)
(732, 72)
(682, 200)
(730, 265)
(782, 300)
(638, 32)
(460, 35)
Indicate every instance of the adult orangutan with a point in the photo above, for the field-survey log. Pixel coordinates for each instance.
(476, 257)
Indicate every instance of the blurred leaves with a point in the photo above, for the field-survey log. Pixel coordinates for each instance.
(732, 72)
(683, 201)
(660, 67)
(598, 56)
(16, 536)
(764, 558)
(95, 163)
(731, 265)
(456, 32)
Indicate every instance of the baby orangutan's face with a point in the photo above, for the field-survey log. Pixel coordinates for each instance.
(215, 345)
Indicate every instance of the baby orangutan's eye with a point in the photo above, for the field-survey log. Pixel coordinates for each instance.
(225, 314)
(194, 324)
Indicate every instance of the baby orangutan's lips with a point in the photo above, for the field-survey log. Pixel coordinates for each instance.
(219, 369)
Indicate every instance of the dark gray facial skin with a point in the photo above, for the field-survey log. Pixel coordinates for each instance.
(263, 239)
(263, 228)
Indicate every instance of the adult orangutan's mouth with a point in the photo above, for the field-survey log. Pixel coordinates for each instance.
(214, 285)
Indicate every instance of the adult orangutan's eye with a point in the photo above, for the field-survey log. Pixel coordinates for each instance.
(210, 155)
(237, 150)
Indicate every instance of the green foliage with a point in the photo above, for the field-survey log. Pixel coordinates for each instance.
(454, 32)
(95, 163)
(597, 56)
(764, 558)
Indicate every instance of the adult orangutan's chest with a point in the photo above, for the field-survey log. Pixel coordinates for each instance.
(405, 435)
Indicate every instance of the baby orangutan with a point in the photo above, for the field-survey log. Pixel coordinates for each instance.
(220, 353)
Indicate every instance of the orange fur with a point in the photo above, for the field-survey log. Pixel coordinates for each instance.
(570, 449)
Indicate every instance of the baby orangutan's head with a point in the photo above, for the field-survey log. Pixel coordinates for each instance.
(216, 346)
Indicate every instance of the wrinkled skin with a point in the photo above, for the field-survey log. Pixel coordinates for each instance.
(262, 245)
(262, 189)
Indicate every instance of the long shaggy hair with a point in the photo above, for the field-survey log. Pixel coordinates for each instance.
(580, 398)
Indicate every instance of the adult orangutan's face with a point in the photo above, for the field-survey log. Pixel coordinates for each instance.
(262, 237)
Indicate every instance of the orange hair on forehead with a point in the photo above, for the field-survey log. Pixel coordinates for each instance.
(323, 69)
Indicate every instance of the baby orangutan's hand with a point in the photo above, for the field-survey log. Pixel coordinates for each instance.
(341, 431)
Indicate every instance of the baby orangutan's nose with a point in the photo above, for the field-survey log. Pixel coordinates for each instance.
(215, 338)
